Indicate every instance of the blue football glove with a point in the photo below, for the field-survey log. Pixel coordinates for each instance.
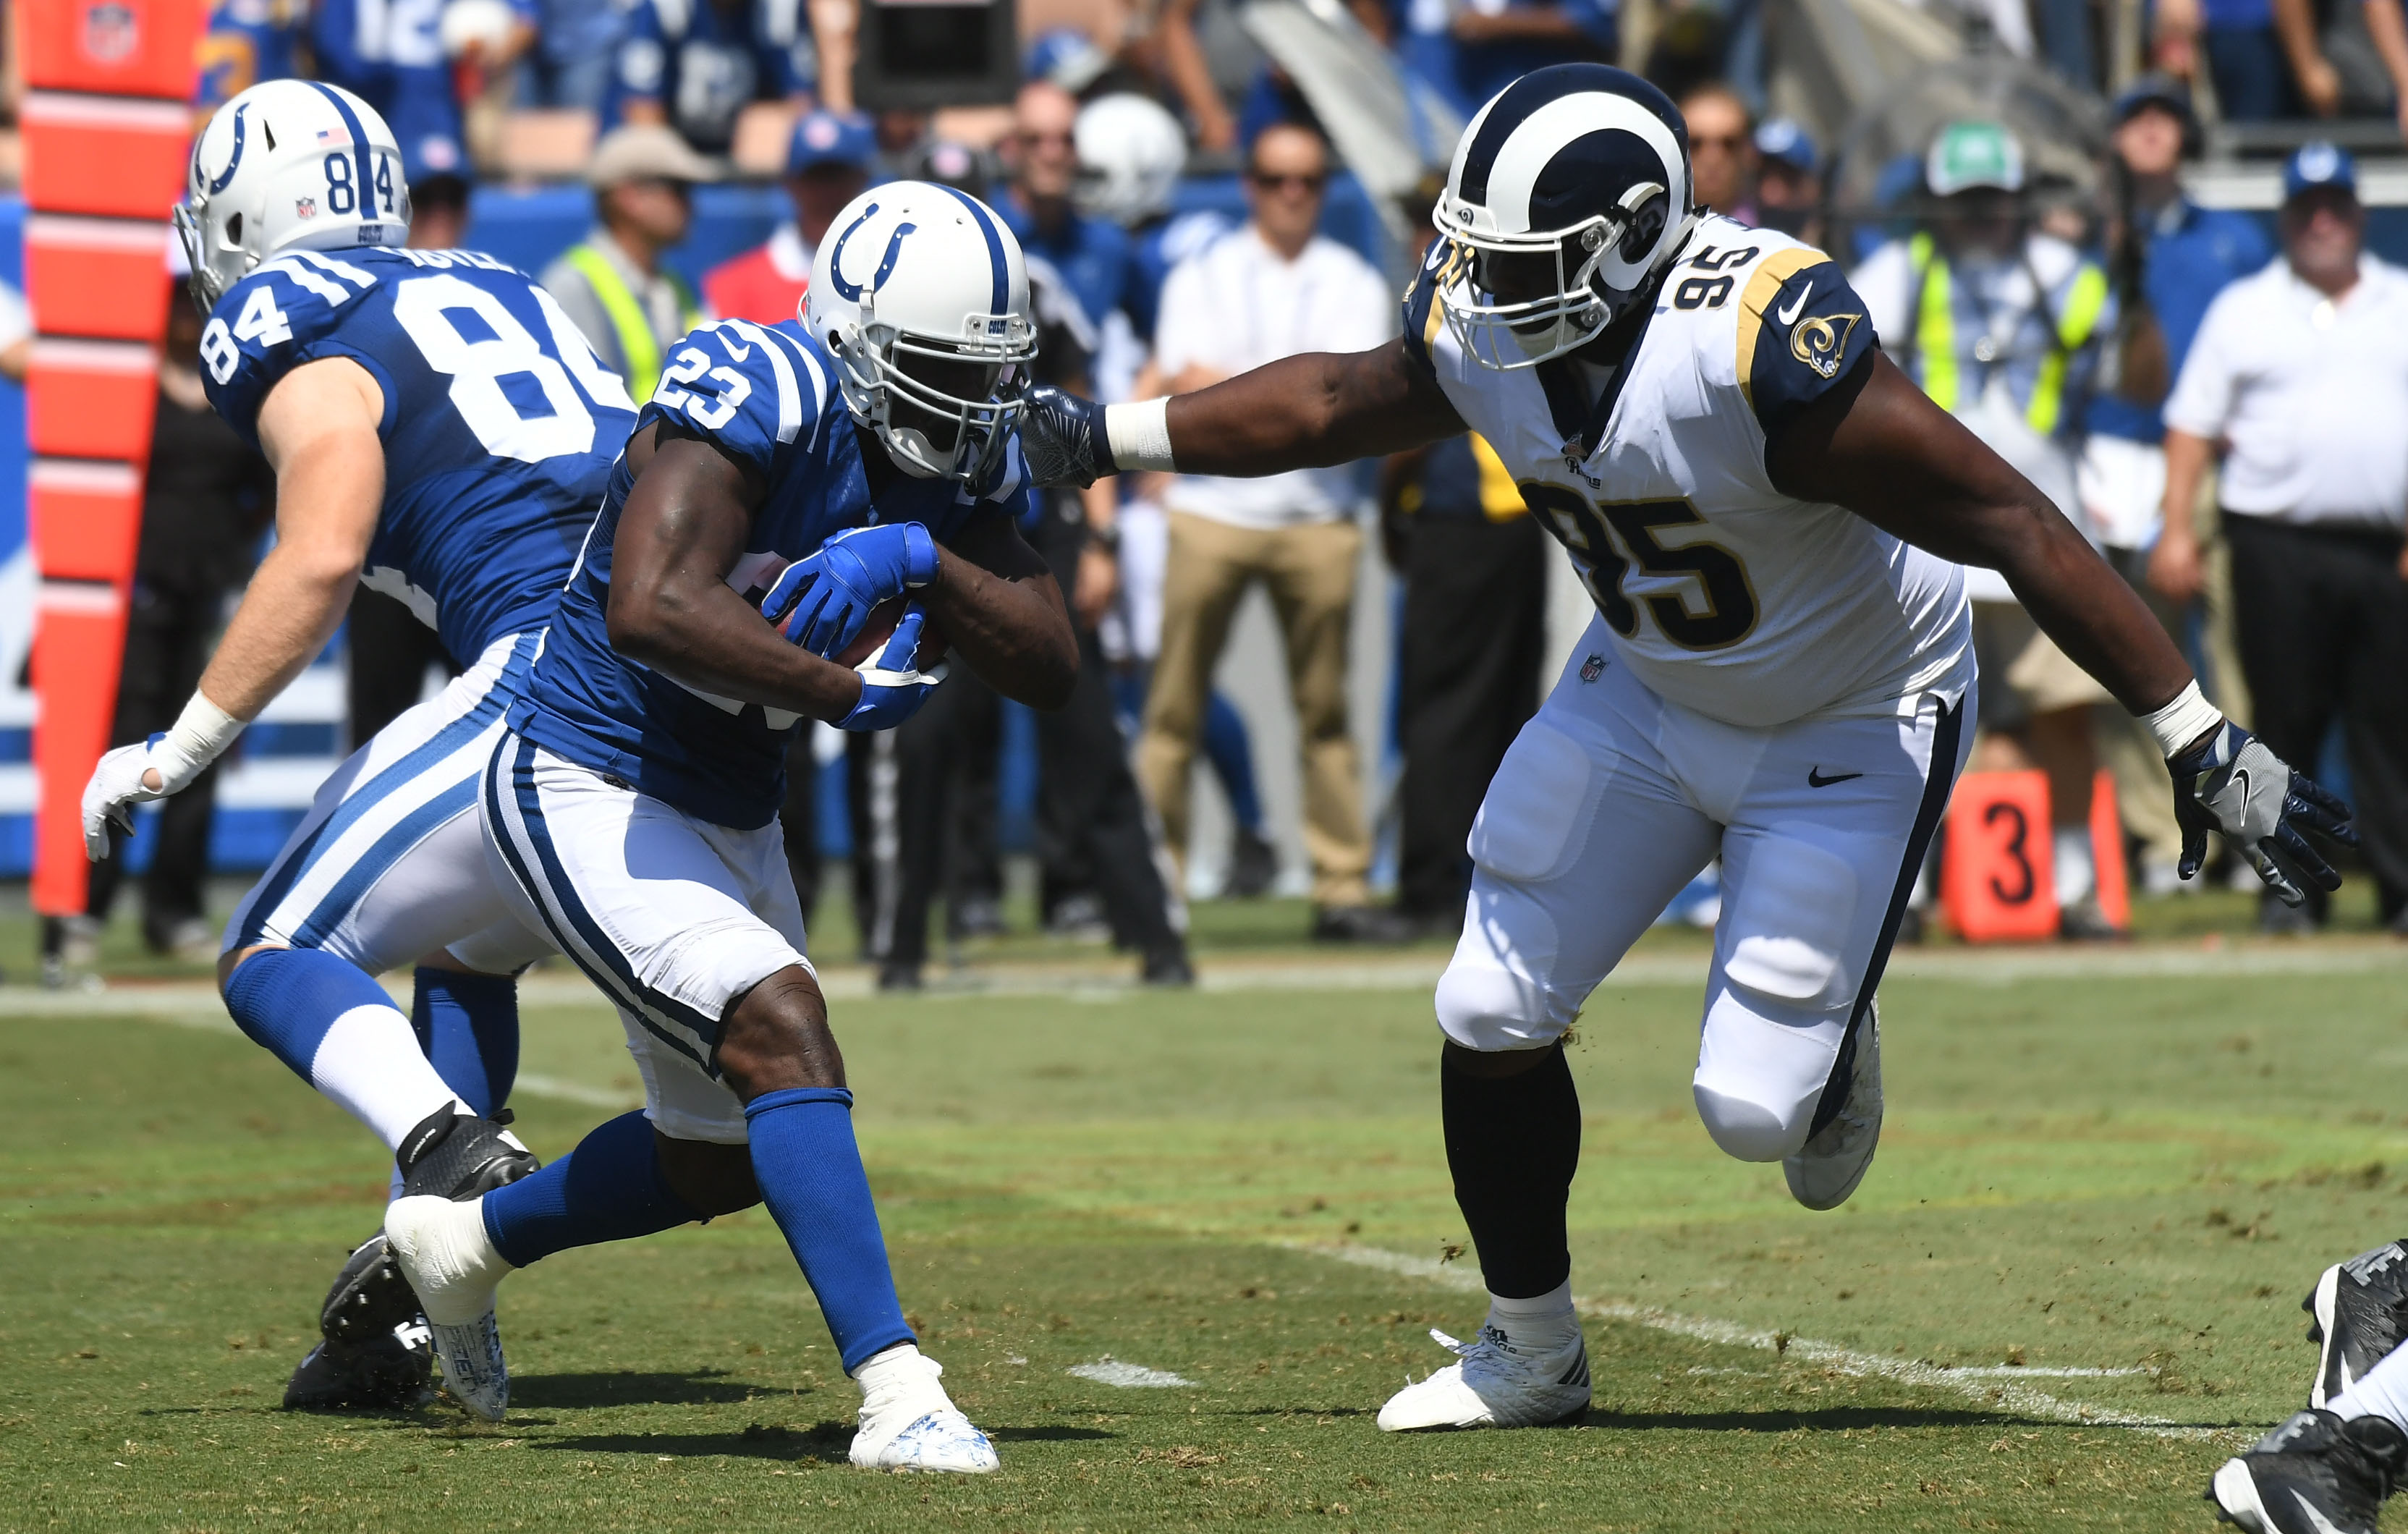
(822, 601)
(893, 687)
(2233, 785)
(1062, 437)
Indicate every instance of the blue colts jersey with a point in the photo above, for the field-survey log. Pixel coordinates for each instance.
(767, 398)
(499, 422)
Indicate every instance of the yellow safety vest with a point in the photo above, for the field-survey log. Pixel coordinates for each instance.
(636, 342)
(1935, 334)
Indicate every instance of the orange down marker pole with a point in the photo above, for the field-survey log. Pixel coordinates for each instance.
(1997, 882)
(106, 122)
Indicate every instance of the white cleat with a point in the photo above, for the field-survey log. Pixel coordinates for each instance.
(1827, 1167)
(449, 1259)
(907, 1421)
(1496, 1383)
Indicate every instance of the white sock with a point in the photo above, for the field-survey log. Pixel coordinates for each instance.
(2076, 875)
(369, 1063)
(2384, 1392)
(899, 1369)
(448, 1256)
(1538, 1316)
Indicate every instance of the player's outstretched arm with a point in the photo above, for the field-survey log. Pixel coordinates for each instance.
(1880, 448)
(681, 531)
(1307, 411)
(317, 427)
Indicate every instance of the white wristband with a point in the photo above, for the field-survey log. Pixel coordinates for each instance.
(2182, 720)
(1139, 434)
(200, 735)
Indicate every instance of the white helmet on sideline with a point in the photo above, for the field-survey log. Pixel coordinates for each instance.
(288, 164)
(922, 295)
(1130, 154)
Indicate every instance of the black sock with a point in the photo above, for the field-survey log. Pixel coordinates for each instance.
(1512, 1144)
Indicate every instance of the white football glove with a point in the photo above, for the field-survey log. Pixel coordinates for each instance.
(202, 732)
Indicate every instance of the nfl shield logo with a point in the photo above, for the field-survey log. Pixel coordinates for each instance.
(1592, 668)
(304, 207)
(110, 32)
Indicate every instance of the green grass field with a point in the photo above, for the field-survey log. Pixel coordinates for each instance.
(2083, 1171)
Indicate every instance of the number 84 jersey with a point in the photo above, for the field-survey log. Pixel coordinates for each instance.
(1723, 594)
(499, 429)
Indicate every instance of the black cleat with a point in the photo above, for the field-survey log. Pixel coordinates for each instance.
(2360, 1307)
(2314, 1474)
(370, 1297)
(458, 1156)
(392, 1373)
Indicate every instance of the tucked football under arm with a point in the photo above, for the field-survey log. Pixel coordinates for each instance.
(1876, 445)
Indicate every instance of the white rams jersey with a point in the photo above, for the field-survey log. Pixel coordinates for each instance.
(1724, 594)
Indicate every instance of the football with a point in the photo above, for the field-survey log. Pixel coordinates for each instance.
(880, 626)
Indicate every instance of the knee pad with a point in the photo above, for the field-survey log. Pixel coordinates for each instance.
(1486, 1007)
(1760, 1073)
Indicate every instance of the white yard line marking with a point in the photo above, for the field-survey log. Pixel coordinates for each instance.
(536, 1084)
(1981, 1386)
(1112, 1372)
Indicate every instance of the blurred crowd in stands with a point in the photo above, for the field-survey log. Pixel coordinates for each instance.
(2090, 339)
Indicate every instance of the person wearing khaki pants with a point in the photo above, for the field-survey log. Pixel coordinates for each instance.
(1274, 289)
(1309, 573)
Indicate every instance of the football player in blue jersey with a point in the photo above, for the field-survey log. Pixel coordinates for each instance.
(786, 484)
(440, 432)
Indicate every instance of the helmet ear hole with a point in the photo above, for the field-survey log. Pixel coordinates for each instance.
(1646, 227)
(233, 230)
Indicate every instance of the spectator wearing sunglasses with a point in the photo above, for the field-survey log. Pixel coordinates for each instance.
(1270, 289)
(1722, 152)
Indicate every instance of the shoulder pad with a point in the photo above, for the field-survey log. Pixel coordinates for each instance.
(1802, 330)
(272, 322)
(753, 391)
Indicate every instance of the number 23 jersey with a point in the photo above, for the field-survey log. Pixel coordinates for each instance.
(500, 425)
(1723, 594)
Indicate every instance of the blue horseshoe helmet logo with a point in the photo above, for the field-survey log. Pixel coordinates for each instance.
(851, 292)
(221, 182)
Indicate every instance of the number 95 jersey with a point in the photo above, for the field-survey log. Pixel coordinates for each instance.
(1723, 594)
(499, 429)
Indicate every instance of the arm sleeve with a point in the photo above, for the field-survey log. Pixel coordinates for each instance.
(1802, 330)
(2202, 401)
(753, 392)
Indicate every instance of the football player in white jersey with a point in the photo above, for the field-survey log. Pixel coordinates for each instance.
(1769, 517)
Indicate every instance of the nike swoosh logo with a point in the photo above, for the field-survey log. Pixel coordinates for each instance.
(2240, 776)
(1815, 778)
(1797, 306)
(2316, 1520)
(744, 354)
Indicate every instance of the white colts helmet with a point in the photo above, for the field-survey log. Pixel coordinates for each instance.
(1130, 154)
(288, 164)
(922, 294)
(1581, 164)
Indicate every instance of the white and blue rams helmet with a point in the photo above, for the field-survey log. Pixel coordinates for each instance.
(922, 295)
(288, 164)
(1579, 169)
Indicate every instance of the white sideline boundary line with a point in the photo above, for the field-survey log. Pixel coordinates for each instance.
(1982, 1386)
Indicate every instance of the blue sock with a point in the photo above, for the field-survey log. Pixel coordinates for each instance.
(608, 1189)
(469, 1026)
(811, 1177)
(337, 1030)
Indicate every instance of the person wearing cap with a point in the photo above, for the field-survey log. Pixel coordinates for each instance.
(1788, 181)
(2298, 374)
(630, 307)
(2168, 259)
(2000, 323)
(828, 162)
(694, 65)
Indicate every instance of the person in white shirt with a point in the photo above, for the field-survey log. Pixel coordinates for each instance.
(1270, 289)
(2301, 374)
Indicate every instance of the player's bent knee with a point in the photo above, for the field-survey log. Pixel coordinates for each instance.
(1760, 1073)
(712, 1179)
(1484, 1008)
(1750, 1130)
(776, 1038)
(231, 960)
